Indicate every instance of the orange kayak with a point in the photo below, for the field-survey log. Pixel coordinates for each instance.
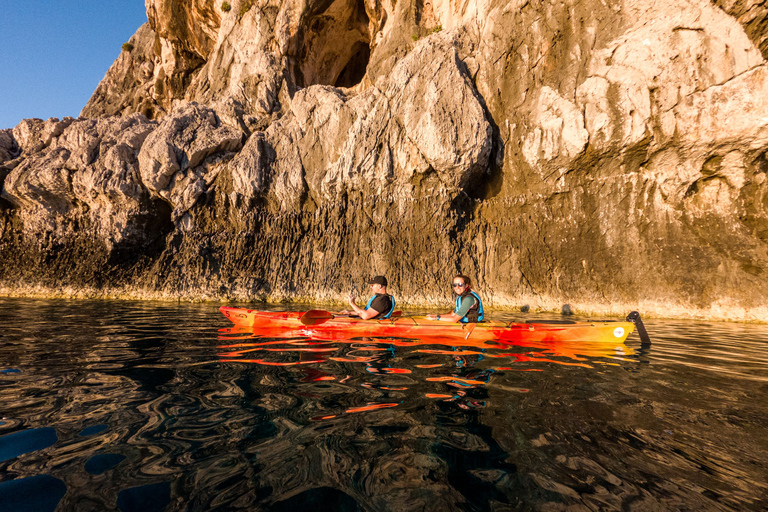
(324, 323)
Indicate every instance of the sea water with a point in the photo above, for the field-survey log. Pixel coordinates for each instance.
(131, 406)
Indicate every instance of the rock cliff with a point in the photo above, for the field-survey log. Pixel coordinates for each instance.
(609, 154)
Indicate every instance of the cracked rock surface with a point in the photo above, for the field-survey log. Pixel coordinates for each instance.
(607, 154)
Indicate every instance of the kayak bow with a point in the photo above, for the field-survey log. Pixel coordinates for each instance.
(320, 322)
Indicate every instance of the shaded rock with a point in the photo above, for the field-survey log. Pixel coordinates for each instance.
(9, 149)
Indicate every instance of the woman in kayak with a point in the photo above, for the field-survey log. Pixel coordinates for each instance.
(379, 306)
(469, 307)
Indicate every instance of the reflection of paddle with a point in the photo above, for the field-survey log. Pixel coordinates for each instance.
(315, 316)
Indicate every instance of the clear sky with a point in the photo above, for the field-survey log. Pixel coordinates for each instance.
(53, 53)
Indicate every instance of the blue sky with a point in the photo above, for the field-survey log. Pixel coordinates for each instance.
(53, 54)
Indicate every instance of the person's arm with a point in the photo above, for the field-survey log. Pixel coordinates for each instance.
(445, 317)
(456, 315)
(365, 314)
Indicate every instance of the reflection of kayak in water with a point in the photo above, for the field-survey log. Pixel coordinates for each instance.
(320, 322)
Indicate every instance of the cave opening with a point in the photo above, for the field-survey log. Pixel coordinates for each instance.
(334, 45)
(354, 71)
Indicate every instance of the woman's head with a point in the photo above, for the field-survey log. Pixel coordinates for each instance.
(461, 284)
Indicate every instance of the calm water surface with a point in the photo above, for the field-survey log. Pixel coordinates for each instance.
(155, 406)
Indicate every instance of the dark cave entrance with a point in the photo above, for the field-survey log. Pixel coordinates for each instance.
(334, 45)
(354, 71)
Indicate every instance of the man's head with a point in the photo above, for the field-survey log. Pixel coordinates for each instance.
(378, 283)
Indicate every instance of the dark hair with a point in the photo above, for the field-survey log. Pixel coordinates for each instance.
(467, 281)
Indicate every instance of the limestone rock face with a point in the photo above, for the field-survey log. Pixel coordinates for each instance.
(184, 153)
(189, 26)
(609, 154)
(88, 173)
(753, 16)
(136, 82)
(382, 139)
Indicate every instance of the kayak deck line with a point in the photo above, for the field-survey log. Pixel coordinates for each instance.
(325, 322)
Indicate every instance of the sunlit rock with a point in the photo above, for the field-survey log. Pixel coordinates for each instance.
(90, 171)
(180, 158)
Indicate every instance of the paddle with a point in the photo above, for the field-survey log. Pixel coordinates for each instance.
(315, 316)
(469, 328)
(318, 316)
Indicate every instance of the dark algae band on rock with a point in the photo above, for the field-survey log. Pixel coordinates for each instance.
(615, 159)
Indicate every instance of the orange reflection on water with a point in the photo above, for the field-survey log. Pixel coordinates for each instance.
(331, 349)
(275, 363)
(371, 407)
(457, 370)
(507, 368)
(358, 359)
(377, 353)
(468, 382)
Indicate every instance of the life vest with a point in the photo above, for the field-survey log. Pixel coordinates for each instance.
(475, 313)
(385, 314)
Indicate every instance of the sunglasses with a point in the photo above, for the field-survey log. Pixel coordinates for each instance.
(457, 285)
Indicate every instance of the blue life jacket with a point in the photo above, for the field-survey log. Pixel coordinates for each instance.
(475, 313)
(386, 314)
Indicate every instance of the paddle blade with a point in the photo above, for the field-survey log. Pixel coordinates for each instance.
(315, 316)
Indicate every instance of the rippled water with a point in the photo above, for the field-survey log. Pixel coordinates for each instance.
(153, 406)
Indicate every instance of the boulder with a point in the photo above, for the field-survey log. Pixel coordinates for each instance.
(183, 155)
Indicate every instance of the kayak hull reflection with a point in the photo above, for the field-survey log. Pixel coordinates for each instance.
(303, 322)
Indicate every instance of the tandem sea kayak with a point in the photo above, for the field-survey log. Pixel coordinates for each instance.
(323, 323)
